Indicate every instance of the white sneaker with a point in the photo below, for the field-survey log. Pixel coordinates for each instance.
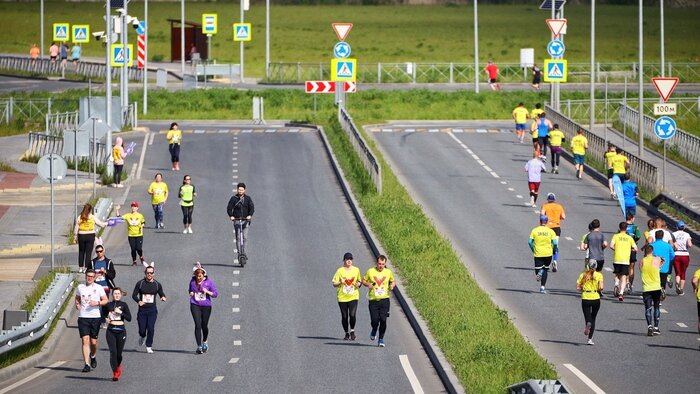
(590, 342)
(189, 230)
(81, 270)
(149, 350)
(184, 231)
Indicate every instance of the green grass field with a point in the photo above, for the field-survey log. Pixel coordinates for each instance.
(381, 33)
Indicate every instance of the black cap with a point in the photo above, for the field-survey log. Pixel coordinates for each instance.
(347, 256)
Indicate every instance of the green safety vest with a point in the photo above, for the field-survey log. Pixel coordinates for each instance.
(187, 195)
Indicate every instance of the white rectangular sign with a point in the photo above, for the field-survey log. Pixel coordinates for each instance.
(664, 109)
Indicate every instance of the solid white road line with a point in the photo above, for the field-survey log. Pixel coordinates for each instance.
(143, 155)
(682, 325)
(504, 183)
(218, 379)
(585, 379)
(32, 377)
(415, 384)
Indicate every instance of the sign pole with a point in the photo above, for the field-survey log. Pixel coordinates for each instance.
(592, 87)
(640, 125)
(663, 49)
(241, 43)
(476, 47)
(145, 57)
(51, 181)
(663, 176)
(41, 29)
(108, 82)
(182, 37)
(267, 39)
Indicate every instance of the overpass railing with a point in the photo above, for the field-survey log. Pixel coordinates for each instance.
(47, 67)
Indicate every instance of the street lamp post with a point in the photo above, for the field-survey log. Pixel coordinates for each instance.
(41, 30)
(640, 129)
(476, 47)
(267, 39)
(241, 42)
(108, 77)
(182, 37)
(145, 57)
(592, 99)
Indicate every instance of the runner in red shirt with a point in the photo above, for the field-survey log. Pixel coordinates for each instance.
(492, 71)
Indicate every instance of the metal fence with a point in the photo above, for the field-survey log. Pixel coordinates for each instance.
(45, 311)
(411, 72)
(369, 161)
(44, 144)
(82, 68)
(57, 123)
(685, 144)
(579, 110)
(32, 110)
(643, 172)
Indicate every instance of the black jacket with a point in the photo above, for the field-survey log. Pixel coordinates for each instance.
(126, 313)
(240, 207)
(109, 275)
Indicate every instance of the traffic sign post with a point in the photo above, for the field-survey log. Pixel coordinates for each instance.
(241, 32)
(342, 50)
(343, 70)
(51, 168)
(329, 87)
(555, 70)
(664, 128)
(342, 30)
(121, 54)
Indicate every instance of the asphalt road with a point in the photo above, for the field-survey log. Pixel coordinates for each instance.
(478, 203)
(275, 325)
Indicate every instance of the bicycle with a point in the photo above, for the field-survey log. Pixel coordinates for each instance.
(238, 226)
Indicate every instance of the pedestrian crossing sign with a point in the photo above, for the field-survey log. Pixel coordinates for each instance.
(121, 54)
(343, 70)
(81, 33)
(60, 31)
(241, 32)
(555, 70)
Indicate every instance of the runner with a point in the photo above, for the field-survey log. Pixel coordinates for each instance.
(202, 290)
(579, 144)
(159, 195)
(590, 284)
(630, 193)
(144, 294)
(85, 235)
(534, 168)
(696, 284)
(492, 72)
(543, 243)
(682, 259)
(89, 297)
(117, 313)
(620, 164)
(652, 290)
(543, 128)
(609, 155)
(556, 138)
(348, 281)
(118, 156)
(534, 115)
(520, 115)
(664, 250)
(555, 213)
(174, 137)
(104, 270)
(187, 194)
(134, 229)
(595, 243)
(582, 246)
(623, 245)
(380, 281)
(632, 231)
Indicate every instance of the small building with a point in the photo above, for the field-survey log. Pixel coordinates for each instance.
(193, 38)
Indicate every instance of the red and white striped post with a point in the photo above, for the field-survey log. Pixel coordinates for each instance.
(141, 51)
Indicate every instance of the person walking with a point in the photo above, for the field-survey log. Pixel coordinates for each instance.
(681, 261)
(664, 250)
(536, 77)
(202, 290)
(520, 115)
(186, 194)
(174, 137)
(159, 195)
(543, 244)
(53, 52)
(347, 279)
(555, 213)
(594, 242)
(117, 313)
(144, 294)
(556, 139)
(240, 207)
(652, 289)
(89, 298)
(380, 282)
(590, 284)
(34, 53)
(623, 245)
(75, 54)
(534, 168)
(118, 156)
(85, 235)
(579, 144)
(492, 72)
(134, 230)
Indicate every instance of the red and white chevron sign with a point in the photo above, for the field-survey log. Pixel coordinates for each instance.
(329, 87)
(141, 58)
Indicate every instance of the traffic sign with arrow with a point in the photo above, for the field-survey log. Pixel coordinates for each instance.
(665, 86)
(329, 87)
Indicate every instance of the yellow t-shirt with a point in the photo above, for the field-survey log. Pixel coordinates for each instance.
(117, 153)
(543, 237)
(160, 192)
(380, 281)
(608, 158)
(86, 226)
(520, 115)
(174, 136)
(350, 280)
(590, 288)
(622, 243)
(696, 276)
(651, 280)
(556, 137)
(618, 164)
(134, 223)
(578, 144)
(535, 113)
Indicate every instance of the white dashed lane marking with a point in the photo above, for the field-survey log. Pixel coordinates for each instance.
(518, 196)
(218, 379)
(569, 239)
(585, 379)
(662, 310)
(475, 157)
(415, 384)
(233, 360)
(236, 284)
(510, 189)
(682, 325)
(236, 327)
(236, 272)
(235, 310)
(234, 296)
(237, 343)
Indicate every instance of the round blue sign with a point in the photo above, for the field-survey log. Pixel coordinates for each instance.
(556, 48)
(665, 127)
(341, 50)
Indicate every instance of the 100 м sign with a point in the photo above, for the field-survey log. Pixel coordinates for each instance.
(664, 109)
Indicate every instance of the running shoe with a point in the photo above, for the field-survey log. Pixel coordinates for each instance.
(133, 264)
(657, 331)
(628, 288)
(86, 368)
(554, 266)
(680, 292)
(184, 231)
(542, 290)
(381, 343)
(205, 347)
(347, 337)
(199, 350)
(93, 362)
(590, 342)
(373, 335)
(670, 284)
(621, 297)
(663, 294)
(352, 335)
(650, 331)
(81, 270)
(189, 230)
(149, 350)
(142, 340)
(538, 275)
(587, 330)
(119, 371)
(115, 377)
(616, 291)
(162, 225)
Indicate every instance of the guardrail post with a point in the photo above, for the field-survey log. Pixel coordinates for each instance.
(298, 71)
(48, 114)
(379, 73)
(670, 69)
(451, 73)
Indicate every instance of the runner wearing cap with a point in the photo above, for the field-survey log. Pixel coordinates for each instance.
(534, 168)
(380, 282)
(590, 284)
(682, 259)
(543, 243)
(134, 227)
(623, 245)
(202, 290)
(555, 214)
(347, 279)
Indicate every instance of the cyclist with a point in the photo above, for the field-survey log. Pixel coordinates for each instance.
(241, 209)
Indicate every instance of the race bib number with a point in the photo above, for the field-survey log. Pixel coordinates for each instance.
(379, 291)
(200, 297)
(157, 192)
(100, 278)
(348, 289)
(148, 298)
(115, 316)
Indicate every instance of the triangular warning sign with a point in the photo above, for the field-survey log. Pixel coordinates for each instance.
(555, 71)
(665, 86)
(556, 26)
(342, 30)
(344, 70)
(242, 32)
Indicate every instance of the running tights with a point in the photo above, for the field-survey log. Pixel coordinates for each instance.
(115, 341)
(652, 301)
(556, 154)
(118, 173)
(146, 318)
(85, 244)
(664, 279)
(348, 314)
(174, 152)
(543, 273)
(200, 315)
(187, 214)
(590, 311)
(136, 244)
(379, 312)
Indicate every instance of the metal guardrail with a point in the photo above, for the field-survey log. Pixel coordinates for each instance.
(685, 144)
(57, 123)
(533, 386)
(42, 144)
(644, 173)
(46, 67)
(41, 317)
(369, 161)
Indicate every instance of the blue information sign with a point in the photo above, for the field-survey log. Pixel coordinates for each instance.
(556, 48)
(665, 127)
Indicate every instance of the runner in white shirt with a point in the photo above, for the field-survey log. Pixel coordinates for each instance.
(682, 259)
(89, 298)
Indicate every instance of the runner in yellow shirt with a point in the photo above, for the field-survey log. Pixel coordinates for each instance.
(380, 282)
(623, 245)
(696, 284)
(543, 242)
(348, 281)
(609, 155)
(174, 137)
(159, 194)
(534, 115)
(579, 144)
(649, 268)
(520, 115)
(590, 284)
(134, 229)
(556, 138)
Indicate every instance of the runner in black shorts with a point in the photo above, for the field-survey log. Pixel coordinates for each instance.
(89, 299)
